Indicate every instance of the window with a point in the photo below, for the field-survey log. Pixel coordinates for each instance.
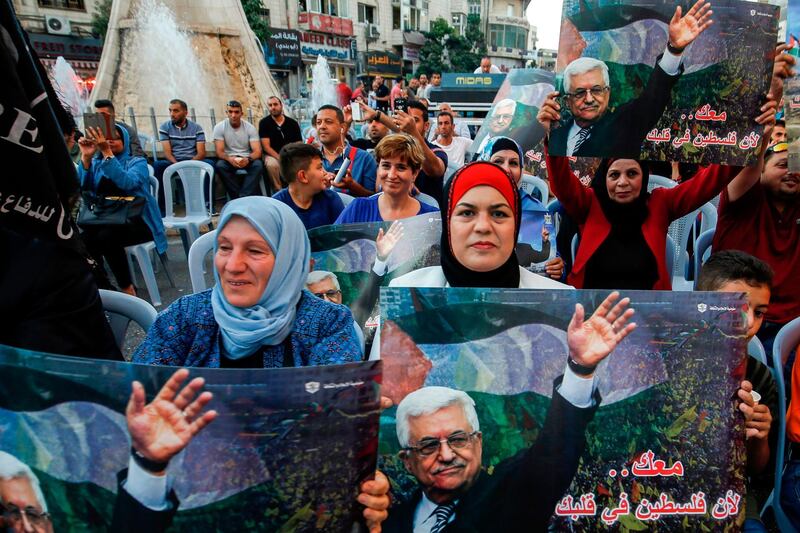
(335, 8)
(509, 10)
(502, 36)
(63, 4)
(366, 14)
(396, 17)
(264, 12)
(460, 22)
(474, 7)
(414, 21)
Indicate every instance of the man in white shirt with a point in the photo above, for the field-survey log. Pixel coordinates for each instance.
(439, 432)
(487, 67)
(455, 147)
(460, 129)
(238, 149)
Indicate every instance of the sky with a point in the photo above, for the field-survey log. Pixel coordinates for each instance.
(546, 16)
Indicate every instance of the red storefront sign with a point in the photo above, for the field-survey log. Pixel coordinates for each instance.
(325, 23)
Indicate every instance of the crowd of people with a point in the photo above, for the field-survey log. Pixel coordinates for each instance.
(267, 309)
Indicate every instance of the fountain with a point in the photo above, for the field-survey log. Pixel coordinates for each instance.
(323, 88)
(71, 89)
(202, 51)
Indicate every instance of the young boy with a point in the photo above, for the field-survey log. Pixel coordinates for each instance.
(308, 194)
(736, 271)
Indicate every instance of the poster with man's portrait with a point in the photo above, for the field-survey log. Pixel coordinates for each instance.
(286, 451)
(513, 114)
(664, 81)
(497, 408)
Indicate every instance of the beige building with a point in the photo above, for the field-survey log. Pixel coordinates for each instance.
(62, 28)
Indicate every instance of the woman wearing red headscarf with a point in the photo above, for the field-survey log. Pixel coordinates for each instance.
(479, 233)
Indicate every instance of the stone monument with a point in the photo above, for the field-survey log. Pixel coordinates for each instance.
(201, 51)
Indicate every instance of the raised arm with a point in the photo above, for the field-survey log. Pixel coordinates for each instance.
(575, 198)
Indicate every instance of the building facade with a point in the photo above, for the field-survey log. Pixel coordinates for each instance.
(63, 28)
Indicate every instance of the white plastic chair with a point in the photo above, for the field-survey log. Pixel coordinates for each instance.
(785, 342)
(670, 251)
(121, 309)
(530, 183)
(702, 249)
(142, 253)
(681, 230)
(201, 247)
(427, 199)
(756, 350)
(192, 175)
(346, 198)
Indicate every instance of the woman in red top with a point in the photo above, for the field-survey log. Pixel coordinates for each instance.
(623, 228)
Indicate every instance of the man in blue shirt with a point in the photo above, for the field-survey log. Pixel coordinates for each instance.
(182, 140)
(360, 177)
(308, 194)
(415, 123)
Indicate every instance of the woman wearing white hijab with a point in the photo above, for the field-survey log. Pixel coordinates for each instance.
(257, 315)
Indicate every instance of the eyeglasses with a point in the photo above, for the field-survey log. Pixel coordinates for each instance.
(778, 148)
(580, 94)
(456, 441)
(13, 514)
(234, 103)
(330, 293)
(504, 116)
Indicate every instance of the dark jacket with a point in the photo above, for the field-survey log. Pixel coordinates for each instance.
(522, 492)
(621, 132)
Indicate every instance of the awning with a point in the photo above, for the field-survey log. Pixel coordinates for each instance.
(76, 64)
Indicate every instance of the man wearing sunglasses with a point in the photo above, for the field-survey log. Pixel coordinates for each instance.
(590, 128)
(442, 444)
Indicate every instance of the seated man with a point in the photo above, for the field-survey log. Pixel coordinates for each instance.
(375, 132)
(276, 131)
(360, 177)
(308, 193)
(735, 271)
(238, 149)
(182, 140)
(460, 129)
(455, 147)
(107, 108)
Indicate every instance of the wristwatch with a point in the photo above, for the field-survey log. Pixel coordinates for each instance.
(148, 464)
(674, 49)
(580, 369)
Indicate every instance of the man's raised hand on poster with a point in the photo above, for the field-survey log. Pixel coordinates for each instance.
(591, 341)
(162, 428)
(683, 30)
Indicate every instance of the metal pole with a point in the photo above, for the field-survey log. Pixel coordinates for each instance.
(132, 118)
(213, 117)
(153, 122)
(250, 113)
(193, 114)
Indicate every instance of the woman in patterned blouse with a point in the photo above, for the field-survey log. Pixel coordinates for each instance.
(257, 315)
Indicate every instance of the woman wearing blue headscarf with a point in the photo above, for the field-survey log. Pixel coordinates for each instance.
(257, 315)
(108, 169)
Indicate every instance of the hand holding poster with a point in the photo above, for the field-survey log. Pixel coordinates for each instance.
(651, 439)
(286, 450)
(645, 79)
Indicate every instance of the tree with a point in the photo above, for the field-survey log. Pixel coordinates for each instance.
(100, 18)
(253, 10)
(445, 50)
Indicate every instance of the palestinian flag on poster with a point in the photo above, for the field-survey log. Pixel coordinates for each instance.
(726, 72)
(667, 388)
(286, 452)
(521, 95)
(348, 250)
